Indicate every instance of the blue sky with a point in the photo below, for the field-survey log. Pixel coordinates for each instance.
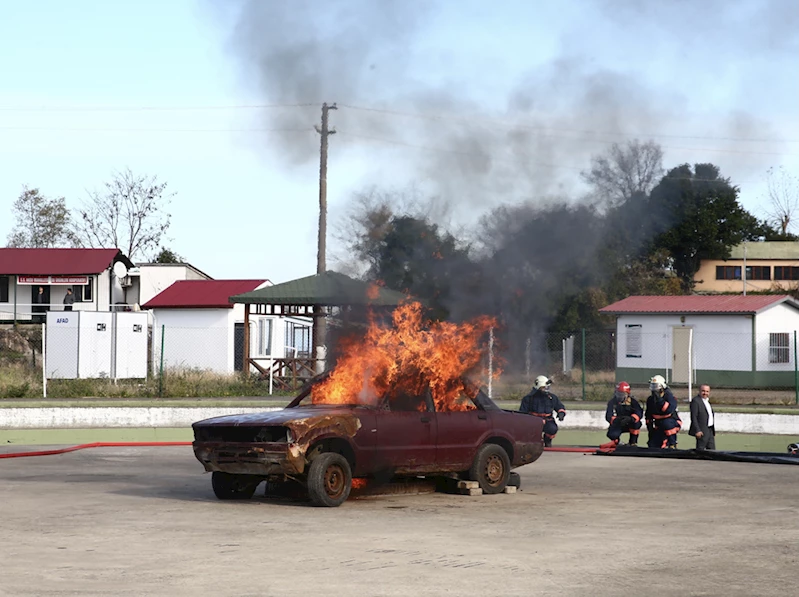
(477, 103)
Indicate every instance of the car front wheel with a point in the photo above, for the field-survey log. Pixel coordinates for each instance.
(329, 480)
(228, 486)
(491, 468)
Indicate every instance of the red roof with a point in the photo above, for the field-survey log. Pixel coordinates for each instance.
(200, 294)
(721, 303)
(58, 262)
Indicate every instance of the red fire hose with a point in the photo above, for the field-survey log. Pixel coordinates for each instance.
(94, 445)
(603, 448)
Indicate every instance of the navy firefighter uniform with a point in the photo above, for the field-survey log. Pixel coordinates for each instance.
(542, 403)
(662, 417)
(624, 414)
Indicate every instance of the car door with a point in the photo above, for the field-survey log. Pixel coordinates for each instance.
(406, 435)
(459, 435)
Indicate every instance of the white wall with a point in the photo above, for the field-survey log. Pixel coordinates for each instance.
(720, 342)
(781, 318)
(194, 339)
(154, 278)
(204, 338)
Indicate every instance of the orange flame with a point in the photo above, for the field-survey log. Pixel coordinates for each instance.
(406, 359)
(359, 482)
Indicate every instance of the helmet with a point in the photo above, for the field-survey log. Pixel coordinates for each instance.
(657, 383)
(793, 449)
(623, 387)
(542, 381)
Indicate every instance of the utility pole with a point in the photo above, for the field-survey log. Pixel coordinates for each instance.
(321, 263)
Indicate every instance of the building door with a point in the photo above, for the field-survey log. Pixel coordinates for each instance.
(238, 347)
(681, 359)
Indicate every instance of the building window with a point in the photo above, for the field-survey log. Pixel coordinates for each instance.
(298, 339)
(633, 338)
(4, 289)
(84, 292)
(758, 272)
(779, 350)
(786, 273)
(728, 272)
(264, 337)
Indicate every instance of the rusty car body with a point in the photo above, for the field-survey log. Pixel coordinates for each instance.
(323, 446)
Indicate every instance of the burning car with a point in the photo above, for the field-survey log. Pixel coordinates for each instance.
(323, 446)
(397, 403)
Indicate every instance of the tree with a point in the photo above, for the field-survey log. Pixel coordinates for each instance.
(167, 256)
(783, 196)
(40, 222)
(699, 218)
(626, 170)
(128, 214)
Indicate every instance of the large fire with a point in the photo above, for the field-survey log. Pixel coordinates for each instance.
(407, 358)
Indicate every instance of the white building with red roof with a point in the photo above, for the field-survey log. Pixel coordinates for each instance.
(94, 275)
(200, 329)
(721, 340)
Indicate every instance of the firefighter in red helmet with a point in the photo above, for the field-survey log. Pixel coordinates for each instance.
(624, 414)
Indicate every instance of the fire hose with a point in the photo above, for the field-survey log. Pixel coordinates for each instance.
(93, 445)
(585, 450)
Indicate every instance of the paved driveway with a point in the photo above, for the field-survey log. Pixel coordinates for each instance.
(143, 521)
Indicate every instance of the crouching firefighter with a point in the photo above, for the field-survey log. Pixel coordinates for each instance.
(662, 417)
(624, 414)
(542, 403)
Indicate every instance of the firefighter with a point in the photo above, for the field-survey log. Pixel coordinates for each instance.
(662, 419)
(540, 402)
(624, 414)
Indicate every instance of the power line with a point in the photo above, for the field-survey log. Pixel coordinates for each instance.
(61, 129)
(673, 147)
(149, 108)
(154, 130)
(519, 125)
(493, 157)
(420, 115)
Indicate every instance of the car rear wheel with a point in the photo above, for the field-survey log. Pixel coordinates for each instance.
(491, 468)
(329, 480)
(228, 486)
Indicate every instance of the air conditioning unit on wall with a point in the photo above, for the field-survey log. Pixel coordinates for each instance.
(126, 282)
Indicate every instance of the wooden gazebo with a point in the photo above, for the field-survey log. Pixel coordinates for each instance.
(313, 296)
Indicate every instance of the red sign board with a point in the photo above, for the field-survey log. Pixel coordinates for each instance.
(53, 280)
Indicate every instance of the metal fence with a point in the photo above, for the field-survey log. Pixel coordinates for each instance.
(584, 360)
(584, 364)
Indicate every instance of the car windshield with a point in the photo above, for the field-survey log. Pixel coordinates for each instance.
(469, 397)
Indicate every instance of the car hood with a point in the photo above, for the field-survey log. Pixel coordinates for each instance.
(278, 417)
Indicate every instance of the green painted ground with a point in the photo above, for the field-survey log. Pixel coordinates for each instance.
(30, 437)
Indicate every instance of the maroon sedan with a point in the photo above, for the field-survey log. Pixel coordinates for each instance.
(324, 446)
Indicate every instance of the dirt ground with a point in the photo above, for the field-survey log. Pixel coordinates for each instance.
(143, 521)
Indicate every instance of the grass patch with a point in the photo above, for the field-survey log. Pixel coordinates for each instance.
(18, 381)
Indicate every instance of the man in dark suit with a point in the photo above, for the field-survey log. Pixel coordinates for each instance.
(702, 420)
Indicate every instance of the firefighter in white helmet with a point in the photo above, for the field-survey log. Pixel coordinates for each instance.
(662, 419)
(540, 402)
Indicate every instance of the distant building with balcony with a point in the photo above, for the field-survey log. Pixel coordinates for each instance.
(94, 275)
(760, 266)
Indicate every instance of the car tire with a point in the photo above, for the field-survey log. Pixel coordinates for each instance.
(228, 486)
(329, 480)
(491, 468)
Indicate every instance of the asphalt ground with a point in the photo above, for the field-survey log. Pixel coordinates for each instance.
(11, 439)
(144, 521)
